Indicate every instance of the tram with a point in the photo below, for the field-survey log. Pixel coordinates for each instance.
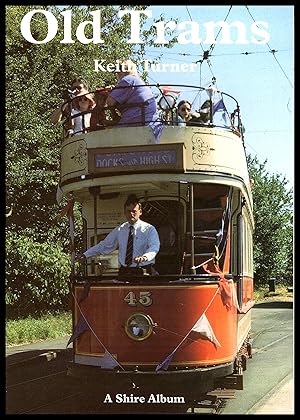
(186, 328)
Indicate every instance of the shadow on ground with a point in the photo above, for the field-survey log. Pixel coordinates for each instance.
(274, 304)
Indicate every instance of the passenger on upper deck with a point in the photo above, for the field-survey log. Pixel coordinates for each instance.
(205, 111)
(65, 109)
(134, 100)
(144, 246)
(202, 116)
(101, 95)
(83, 104)
(183, 113)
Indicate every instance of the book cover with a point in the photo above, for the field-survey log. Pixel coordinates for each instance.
(206, 67)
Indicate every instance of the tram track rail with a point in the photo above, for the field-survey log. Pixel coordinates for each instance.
(43, 406)
(210, 403)
(40, 385)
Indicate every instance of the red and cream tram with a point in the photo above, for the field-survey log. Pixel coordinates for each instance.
(182, 331)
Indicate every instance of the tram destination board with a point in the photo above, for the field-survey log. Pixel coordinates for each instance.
(137, 158)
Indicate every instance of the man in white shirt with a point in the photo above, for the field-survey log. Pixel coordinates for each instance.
(145, 244)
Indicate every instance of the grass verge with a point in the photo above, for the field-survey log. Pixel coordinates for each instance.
(281, 294)
(30, 330)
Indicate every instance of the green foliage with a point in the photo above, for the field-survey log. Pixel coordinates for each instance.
(30, 330)
(281, 294)
(273, 216)
(37, 275)
(36, 75)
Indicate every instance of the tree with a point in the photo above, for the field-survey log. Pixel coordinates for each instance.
(36, 76)
(273, 217)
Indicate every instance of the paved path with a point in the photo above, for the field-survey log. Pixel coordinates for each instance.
(280, 402)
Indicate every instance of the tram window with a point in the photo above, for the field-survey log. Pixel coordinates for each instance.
(167, 238)
(207, 219)
(210, 201)
(166, 216)
(98, 239)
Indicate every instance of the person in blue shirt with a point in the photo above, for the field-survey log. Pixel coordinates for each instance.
(134, 100)
(146, 242)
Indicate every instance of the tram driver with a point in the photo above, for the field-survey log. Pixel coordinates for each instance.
(137, 241)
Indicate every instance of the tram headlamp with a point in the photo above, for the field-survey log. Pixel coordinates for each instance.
(139, 326)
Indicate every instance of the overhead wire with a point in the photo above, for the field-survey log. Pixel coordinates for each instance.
(169, 53)
(273, 52)
(208, 54)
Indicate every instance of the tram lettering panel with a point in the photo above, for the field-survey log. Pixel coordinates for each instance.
(143, 158)
(108, 160)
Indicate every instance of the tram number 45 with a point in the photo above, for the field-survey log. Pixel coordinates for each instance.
(144, 298)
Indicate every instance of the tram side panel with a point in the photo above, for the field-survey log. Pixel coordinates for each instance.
(172, 312)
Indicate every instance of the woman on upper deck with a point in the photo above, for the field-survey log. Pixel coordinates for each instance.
(78, 85)
(134, 100)
(83, 120)
(183, 113)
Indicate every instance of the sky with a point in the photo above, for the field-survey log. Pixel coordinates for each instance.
(262, 81)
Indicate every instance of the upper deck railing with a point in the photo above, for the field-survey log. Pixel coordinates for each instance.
(208, 144)
(222, 110)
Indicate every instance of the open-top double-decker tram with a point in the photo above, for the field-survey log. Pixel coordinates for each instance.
(185, 328)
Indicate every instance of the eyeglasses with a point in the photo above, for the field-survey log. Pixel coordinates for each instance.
(184, 109)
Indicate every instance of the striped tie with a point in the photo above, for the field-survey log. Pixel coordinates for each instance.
(129, 249)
